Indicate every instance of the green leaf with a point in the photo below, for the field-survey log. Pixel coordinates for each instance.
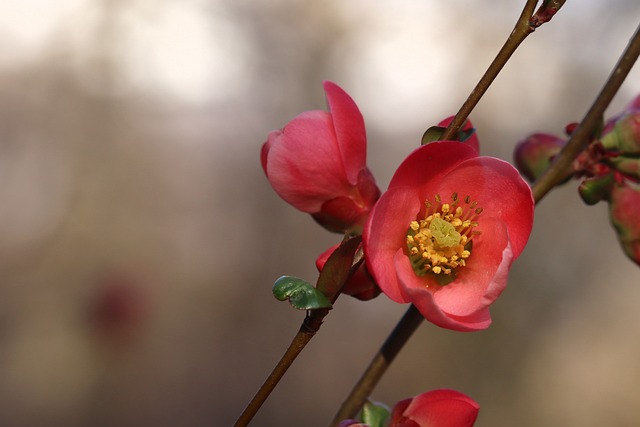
(434, 133)
(301, 294)
(375, 414)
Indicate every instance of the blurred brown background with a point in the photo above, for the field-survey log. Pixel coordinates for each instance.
(139, 238)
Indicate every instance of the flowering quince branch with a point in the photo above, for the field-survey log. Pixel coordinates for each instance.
(442, 237)
(556, 174)
(560, 168)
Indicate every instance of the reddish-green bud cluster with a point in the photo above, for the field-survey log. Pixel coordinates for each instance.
(609, 169)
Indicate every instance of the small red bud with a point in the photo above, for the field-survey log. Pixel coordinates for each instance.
(570, 128)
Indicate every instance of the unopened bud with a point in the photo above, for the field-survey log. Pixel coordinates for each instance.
(629, 166)
(593, 190)
(533, 154)
(624, 211)
(625, 135)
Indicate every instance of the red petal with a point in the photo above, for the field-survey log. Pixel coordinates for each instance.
(499, 190)
(422, 297)
(483, 279)
(397, 418)
(385, 234)
(264, 152)
(425, 165)
(303, 162)
(443, 408)
(349, 130)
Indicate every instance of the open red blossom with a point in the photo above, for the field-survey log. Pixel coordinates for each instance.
(436, 408)
(445, 233)
(317, 163)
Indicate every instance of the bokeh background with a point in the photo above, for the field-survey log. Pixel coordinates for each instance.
(139, 237)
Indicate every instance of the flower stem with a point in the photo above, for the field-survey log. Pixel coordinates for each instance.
(561, 166)
(342, 263)
(309, 327)
(520, 32)
(379, 364)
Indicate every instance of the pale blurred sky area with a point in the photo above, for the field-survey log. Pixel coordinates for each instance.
(139, 238)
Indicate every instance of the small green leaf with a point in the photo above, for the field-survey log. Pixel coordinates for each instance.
(434, 133)
(301, 294)
(375, 414)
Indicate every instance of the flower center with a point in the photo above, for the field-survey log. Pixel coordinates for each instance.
(441, 243)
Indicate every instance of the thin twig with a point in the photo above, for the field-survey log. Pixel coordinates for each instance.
(299, 342)
(339, 268)
(561, 166)
(379, 364)
(520, 32)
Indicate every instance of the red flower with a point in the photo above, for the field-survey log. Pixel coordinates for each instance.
(436, 408)
(360, 285)
(445, 233)
(317, 163)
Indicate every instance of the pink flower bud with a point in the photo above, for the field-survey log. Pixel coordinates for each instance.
(317, 163)
(533, 154)
(624, 211)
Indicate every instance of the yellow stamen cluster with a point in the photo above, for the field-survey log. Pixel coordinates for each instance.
(441, 242)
